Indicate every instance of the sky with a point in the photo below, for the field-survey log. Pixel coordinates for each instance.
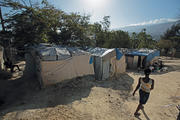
(123, 12)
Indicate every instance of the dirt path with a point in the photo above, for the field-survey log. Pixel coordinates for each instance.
(87, 99)
(165, 96)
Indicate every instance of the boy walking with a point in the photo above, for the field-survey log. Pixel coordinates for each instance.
(145, 84)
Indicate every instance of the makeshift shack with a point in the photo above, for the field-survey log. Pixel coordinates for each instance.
(140, 58)
(53, 64)
(106, 63)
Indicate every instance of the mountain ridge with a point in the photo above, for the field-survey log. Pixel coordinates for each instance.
(155, 30)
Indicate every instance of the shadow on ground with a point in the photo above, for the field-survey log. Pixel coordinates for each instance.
(22, 94)
(145, 115)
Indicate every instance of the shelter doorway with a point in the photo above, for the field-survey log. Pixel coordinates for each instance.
(139, 62)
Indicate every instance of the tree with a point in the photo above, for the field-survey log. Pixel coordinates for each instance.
(165, 44)
(101, 31)
(118, 39)
(142, 40)
(106, 23)
(2, 20)
(36, 23)
(31, 23)
(170, 41)
(173, 34)
(134, 40)
(74, 30)
(99, 34)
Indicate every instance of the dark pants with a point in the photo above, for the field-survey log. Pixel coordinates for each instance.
(144, 96)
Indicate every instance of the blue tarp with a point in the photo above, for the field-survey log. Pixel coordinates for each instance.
(150, 55)
(137, 53)
(91, 60)
(118, 54)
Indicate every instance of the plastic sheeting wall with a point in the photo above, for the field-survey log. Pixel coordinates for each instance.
(108, 67)
(118, 66)
(135, 62)
(106, 70)
(57, 71)
(98, 67)
(129, 61)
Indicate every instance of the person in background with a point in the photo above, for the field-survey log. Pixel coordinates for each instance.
(145, 85)
(8, 64)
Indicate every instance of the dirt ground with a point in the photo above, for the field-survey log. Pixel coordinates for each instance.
(88, 99)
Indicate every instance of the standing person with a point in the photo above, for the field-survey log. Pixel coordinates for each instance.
(145, 84)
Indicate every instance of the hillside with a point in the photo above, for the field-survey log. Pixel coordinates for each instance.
(155, 30)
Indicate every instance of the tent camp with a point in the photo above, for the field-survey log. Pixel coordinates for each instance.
(140, 58)
(107, 62)
(53, 64)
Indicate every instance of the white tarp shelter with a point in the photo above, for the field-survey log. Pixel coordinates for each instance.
(105, 63)
(55, 64)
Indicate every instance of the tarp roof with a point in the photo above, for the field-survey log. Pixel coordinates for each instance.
(137, 53)
(144, 52)
(99, 51)
(56, 52)
(141, 52)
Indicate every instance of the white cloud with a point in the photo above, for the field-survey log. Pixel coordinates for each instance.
(156, 21)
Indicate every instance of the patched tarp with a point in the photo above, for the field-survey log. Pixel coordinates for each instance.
(54, 64)
(56, 52)
(53, 53)
(57, 71)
